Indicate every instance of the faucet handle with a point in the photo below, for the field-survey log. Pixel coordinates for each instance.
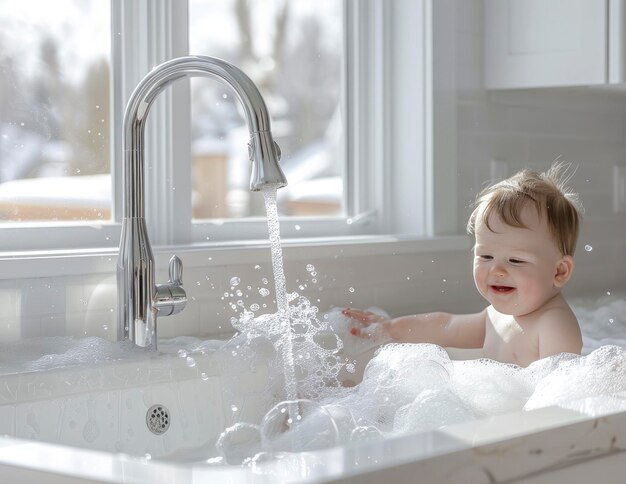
(171, 298)
(176, 271)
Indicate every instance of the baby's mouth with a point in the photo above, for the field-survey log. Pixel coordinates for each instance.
(502, 289)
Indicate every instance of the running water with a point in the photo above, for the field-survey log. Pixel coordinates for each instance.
(285, 343)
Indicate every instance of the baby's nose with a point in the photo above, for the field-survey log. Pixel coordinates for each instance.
(498, 270)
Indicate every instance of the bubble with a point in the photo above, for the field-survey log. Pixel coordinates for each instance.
(351, 289)
(234, 281)
(239, 442)
(297, 426)
(255, 307)
(234, 408)
(257, 267)
(366, 433)
(182, 353)
(297, 227)
(310, 267)
(190, 362)
(588, 248)
(204, 376)
(264, 292)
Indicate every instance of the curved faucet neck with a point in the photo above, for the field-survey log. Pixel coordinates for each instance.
(146, 92)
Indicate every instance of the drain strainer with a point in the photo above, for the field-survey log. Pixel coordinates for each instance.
(158, 419)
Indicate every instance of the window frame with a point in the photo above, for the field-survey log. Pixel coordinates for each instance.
(391, 120)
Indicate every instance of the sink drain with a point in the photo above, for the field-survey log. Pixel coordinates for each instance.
(158, 419)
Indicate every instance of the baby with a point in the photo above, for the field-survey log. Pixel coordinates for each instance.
(525, 229)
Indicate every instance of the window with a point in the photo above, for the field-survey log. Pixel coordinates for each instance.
(368, 113)
(293, 51)
(54, 111)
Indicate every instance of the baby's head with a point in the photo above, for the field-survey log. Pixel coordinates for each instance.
(546, 192)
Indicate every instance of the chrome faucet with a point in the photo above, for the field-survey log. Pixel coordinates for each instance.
(140, 300)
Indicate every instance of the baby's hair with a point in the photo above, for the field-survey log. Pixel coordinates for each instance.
(546, 191)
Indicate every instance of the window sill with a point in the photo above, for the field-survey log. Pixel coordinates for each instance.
(21, 265)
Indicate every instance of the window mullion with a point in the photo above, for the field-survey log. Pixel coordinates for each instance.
(152, 32)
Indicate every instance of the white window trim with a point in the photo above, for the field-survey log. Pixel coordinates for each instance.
(396, 122)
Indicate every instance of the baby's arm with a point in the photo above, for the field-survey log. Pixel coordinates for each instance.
(443, 329)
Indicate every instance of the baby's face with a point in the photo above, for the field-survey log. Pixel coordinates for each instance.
(515, 268)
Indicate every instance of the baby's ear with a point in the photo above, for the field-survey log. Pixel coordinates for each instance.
(564, 269)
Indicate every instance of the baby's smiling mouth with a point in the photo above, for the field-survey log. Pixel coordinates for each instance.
(502, 289)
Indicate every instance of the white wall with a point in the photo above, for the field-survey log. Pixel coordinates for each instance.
(525, 128)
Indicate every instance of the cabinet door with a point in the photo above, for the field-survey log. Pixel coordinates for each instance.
(543, 43)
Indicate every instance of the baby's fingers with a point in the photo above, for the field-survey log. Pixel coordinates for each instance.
(364, 317)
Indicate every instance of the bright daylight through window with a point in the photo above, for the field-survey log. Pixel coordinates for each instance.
(54, 111)
(64, 76)
(293, 51)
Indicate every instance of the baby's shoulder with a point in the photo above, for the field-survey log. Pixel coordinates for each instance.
(557, 318)
(558, 331)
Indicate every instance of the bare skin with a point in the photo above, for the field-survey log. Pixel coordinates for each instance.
(521, 273)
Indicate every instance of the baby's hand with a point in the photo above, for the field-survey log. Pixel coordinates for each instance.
(363, 319)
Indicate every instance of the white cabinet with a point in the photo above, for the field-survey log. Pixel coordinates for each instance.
(547, 43)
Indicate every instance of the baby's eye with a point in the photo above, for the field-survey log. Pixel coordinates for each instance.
(485, 257)
(516, 261)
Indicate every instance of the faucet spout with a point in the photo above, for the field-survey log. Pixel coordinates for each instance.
(140, 300)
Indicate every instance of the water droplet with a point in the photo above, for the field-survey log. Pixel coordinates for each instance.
(257, 267)
(297, 227)
(611, 320)
(204, 376)
(105, 327)
(351, 289)
(190, 362)
(264, 280)
(234, 281)
(608, 293)
(255, 307)
(349, 221)
(310, 267)
(588, 248)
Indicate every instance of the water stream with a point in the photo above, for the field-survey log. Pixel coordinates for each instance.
(282, 303)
